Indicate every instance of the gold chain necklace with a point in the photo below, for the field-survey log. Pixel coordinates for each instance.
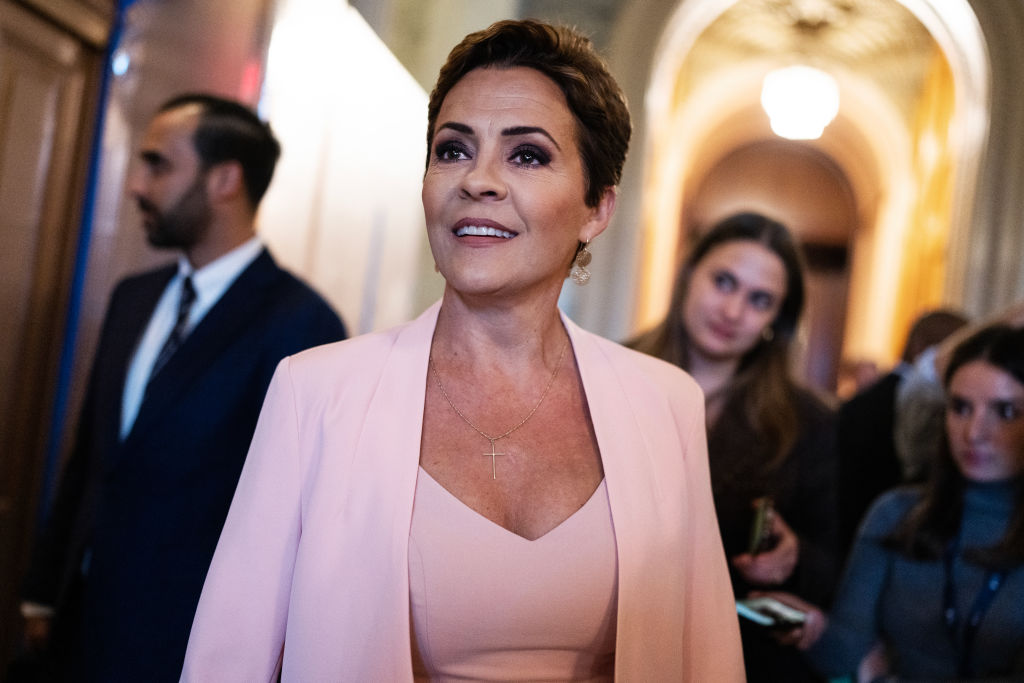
(494, 453)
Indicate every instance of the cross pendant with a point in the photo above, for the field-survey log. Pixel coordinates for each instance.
(493, 454)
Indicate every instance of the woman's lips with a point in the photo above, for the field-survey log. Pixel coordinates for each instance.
(482, 231)
(974, 456)
(482, 227)
(722, 332)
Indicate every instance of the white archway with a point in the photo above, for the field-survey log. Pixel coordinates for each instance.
(676, 131)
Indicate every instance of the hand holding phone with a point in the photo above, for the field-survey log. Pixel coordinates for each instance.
(777, 550)
(762, 536)
(771, 613)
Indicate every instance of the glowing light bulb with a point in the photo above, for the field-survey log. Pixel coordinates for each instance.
(800, 101)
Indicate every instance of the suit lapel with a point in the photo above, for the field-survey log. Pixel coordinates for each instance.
(378, 511)
(221, 326)
(624, 453)
(122, 331)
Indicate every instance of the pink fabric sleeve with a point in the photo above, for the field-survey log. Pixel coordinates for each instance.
(239, 628)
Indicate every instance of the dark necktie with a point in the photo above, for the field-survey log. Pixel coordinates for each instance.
(177, 335)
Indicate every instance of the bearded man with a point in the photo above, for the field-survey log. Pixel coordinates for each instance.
(184, 359)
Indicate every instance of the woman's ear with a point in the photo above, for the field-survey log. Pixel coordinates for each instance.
(600, 215)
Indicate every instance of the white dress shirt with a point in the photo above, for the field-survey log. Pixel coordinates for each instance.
(210, 283)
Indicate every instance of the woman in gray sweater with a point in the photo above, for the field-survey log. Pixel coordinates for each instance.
(934, 587)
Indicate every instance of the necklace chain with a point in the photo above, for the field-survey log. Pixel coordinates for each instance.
(492, 439)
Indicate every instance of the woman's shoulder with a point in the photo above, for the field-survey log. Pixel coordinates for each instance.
(889, 509)
(642, 372)
(362, 355)
(358, 350)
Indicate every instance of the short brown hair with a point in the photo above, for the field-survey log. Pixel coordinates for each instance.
(567, 58)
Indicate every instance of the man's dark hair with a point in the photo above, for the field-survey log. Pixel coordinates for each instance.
(930, 329)
(230, 131)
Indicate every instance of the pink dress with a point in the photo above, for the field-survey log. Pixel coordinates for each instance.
(488, 604)
(311, 574)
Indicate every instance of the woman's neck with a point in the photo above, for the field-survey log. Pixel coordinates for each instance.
(497, 334)
(712, 375)
(993, 496)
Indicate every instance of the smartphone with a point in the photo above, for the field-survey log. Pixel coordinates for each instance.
(771, 613)
(761, 538)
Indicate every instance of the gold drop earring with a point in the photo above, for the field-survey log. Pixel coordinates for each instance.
(580, 274)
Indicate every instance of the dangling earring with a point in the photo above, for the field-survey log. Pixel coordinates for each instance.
(580, 274)
(768, 334)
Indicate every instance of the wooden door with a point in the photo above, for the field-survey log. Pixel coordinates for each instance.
(48, 84)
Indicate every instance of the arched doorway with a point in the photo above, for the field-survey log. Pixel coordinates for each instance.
(908, 139)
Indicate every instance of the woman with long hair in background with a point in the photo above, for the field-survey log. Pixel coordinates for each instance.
(935, 581)
(731, 323)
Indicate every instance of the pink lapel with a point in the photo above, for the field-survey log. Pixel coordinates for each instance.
(643, 464)
(386, 464)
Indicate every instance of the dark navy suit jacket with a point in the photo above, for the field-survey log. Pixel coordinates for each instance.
(148, 510)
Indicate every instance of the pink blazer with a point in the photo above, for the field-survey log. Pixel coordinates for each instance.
(311, 571)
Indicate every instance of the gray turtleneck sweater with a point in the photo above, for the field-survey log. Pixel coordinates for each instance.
(885, 596)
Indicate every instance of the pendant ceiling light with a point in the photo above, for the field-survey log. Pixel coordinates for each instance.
(800, 101)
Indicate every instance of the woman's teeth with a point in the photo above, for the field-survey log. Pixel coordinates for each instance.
(480, 231)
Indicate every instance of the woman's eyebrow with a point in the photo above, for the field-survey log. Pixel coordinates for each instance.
(457, 127)
(507, 132)
(527, 130)
(1007, 401)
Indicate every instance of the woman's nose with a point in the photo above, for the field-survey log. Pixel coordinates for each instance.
(978, 426)
(732, 305)
(483, 179)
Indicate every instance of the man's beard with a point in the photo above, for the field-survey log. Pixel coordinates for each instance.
(184, 224)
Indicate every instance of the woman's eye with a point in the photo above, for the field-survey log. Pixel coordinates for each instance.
(959, 407)
(1007, 410)
(762, 301)
(451, 151)
(530, 156)
(724, 282)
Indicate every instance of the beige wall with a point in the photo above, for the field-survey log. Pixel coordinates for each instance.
(344, 208)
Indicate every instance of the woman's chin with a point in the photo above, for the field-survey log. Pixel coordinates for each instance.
(981, 473)
(472, 284)
(719, 353)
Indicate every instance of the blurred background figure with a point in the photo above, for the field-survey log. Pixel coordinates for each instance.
(919, 397)
(185, 357)
(870, 461)
(855, 375)
(935, 581)
(734, 312)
